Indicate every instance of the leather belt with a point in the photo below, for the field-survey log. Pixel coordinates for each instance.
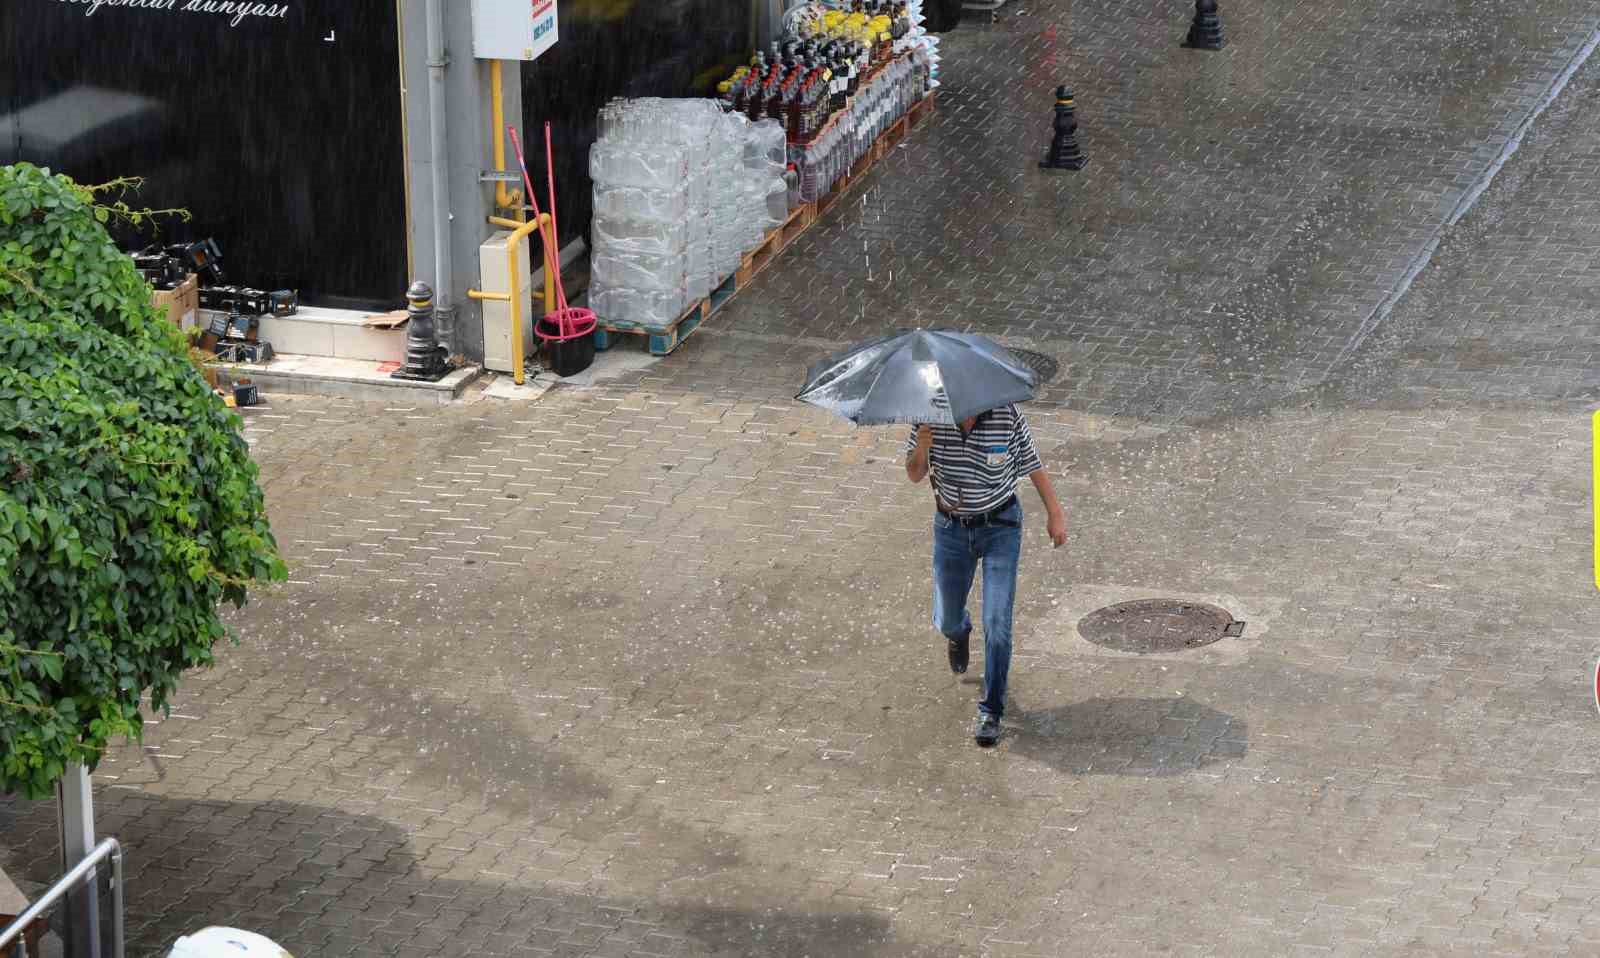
(982, 518)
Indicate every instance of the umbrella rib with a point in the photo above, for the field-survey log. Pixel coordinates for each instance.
(881, 370)
(1005, 359)
(815, 380)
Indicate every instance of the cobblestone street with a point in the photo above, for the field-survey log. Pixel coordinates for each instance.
(645, 668)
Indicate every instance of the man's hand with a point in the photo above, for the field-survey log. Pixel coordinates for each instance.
(1057, 527)
(917, 462)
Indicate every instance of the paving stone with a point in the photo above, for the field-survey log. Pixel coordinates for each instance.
(645, 668)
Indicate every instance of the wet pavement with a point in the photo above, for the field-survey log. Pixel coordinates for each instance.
(645, 668)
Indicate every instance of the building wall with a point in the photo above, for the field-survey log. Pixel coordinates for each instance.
(280, 133)
(467, 153)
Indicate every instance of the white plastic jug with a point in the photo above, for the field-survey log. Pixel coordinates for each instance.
(226, 943)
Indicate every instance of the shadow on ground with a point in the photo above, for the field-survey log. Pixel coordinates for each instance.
(1123, 736)
(322, 883)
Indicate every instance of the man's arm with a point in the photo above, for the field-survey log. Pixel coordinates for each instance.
(917, 459)
(1056, 523)
(1030, 464)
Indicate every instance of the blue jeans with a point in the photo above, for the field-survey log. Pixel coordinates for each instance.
(956, 553)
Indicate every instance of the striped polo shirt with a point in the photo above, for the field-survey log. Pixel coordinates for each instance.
(973, 473)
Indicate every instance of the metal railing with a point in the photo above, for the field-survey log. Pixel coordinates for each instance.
(84, 870)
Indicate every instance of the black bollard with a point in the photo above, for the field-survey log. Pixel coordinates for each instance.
(425, 358)
(1205, 33)
(1064, 153)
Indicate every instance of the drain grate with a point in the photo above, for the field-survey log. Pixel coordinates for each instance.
(1158, 625)
(1044, 365)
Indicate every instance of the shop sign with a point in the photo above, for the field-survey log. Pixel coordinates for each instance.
(233, 13)
(513, 29)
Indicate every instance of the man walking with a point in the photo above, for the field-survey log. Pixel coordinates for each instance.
(974, 467)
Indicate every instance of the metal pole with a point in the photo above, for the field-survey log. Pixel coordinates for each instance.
(118, 932)
(504, 197)
(437, 61)
(85, 870)
(75, 805)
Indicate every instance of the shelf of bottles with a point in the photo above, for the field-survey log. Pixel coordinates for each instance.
(838, 79)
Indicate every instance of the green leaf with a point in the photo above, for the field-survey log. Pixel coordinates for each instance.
(129, 507)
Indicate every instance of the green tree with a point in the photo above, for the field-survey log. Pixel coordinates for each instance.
(129, 505)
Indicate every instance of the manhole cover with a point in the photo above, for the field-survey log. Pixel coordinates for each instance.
(1043, 364)
(1156, 625)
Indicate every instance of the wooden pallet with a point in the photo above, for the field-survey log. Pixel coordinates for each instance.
(827, 201)
(799, 221)
(664, 339)
(886, 141)
(890, 138)
(844, 184)
(774, 242)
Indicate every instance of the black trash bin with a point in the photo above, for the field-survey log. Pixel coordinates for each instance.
(568, 357)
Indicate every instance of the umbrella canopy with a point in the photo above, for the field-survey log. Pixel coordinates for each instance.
(920, 376)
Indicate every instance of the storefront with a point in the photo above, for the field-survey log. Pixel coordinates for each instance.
(277, 125)
(282, 126)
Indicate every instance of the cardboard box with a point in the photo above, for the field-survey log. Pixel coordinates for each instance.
(182, 304)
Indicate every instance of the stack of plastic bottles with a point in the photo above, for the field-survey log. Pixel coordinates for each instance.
(682, 190)
(728, 203)
(643, 223)
(767, 193)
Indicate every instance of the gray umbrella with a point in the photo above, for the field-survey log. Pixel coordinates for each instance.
(920, 376)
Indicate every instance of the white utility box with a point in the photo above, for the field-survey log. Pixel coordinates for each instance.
(492, 278)
(513, 29)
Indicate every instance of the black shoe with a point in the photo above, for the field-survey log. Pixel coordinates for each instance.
(988, 731)
(960, 653)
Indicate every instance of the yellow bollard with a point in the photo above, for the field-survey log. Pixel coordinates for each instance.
(519, 232)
